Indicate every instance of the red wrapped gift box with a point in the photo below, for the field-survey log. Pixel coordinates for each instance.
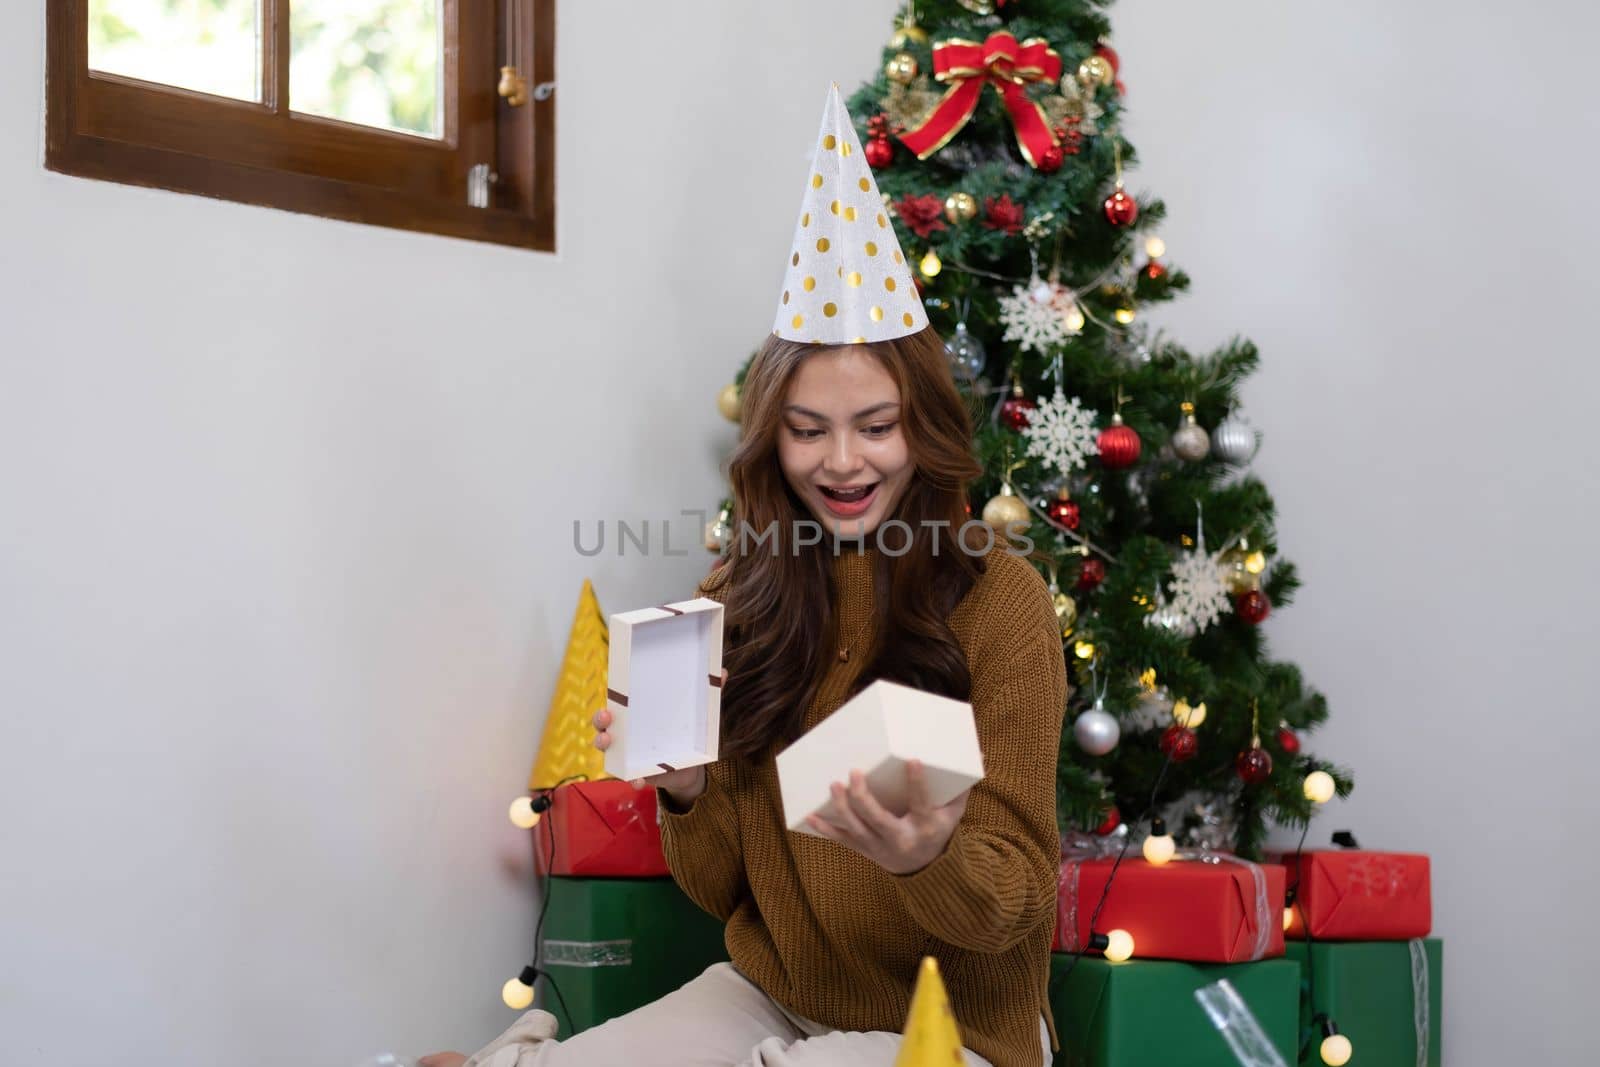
(1216, 909)
(1356, 895)
(604, 829)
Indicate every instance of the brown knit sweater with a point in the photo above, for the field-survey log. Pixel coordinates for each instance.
(835, 938)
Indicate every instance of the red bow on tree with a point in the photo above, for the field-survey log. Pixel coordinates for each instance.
(1000, 61)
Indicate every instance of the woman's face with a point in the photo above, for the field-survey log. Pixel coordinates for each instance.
(841, 431)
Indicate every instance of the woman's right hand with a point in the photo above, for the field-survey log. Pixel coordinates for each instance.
(684, 786)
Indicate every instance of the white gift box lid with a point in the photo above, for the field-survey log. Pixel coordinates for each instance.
(877, 732)
(664, 688)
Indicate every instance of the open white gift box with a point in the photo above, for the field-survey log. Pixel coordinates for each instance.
(877, 732)
(664, 688)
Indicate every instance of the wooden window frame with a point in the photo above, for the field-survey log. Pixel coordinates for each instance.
(114, 128)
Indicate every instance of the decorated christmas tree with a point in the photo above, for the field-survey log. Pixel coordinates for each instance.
(993, 131)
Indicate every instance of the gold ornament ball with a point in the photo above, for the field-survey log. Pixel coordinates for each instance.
(960, 207)
(1005, 509)
(728, 402)
(1188, 716)
(1236, 574)
(1095, 71)
(908, 32)
(1066, 613)
(902, 68)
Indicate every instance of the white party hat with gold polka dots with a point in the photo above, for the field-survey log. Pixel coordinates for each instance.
(848, 281)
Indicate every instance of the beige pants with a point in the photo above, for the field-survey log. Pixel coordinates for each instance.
(720, 1019)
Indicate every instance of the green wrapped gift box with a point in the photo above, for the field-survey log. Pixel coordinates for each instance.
(1383, 995)
(1144, 1012)
(616, 944)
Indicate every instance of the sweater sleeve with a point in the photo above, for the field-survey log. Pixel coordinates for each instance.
(702, 845)
(996, 879)
(703, 848)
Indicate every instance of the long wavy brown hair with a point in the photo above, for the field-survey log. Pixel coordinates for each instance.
(780, 598)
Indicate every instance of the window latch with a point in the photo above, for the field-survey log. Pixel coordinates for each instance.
(479, 179)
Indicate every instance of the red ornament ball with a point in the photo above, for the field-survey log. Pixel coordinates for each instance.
(1016, 412)
(1064, 512)
(1119, 445)
(1112, 820)
(1091, 574)
(1109, 54)
(1289, 741)
(1252, 606)
(1121, 209)
(880, 152)
(1050, 159)
(1154, 270)
(1254, 765)
(1179, 743)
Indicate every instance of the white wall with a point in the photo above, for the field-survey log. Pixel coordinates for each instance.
(1390, 199)
(287, 564)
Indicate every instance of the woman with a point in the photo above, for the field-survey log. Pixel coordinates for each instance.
(855, 560)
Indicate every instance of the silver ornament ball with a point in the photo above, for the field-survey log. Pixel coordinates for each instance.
(1234, 441)
(965, 353)
(1096, 731)
(1191, 442)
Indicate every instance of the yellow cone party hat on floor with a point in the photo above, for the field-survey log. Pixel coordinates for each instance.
(568, 745)
(931, 1035)
(848, 281)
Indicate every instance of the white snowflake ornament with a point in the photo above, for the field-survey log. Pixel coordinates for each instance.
(1198, 588)
(1061, 431)
(1036, 324)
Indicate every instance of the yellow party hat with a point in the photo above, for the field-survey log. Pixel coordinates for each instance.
(931, 1036)
(846, 282)
(568, 745)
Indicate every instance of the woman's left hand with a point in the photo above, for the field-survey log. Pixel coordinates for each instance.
(900, 844)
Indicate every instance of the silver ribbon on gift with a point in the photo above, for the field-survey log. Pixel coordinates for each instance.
(1238, 1025)
(588, 953)
(1076, 848)
(1421, 998)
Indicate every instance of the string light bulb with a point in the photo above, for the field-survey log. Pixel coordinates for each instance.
(526, 811)
(518, 991)
(523, 817)
(931, 264)
(1159, 848)
(1155, 247)
(1187, 715)
(1288, 909)
(1319, 787)
(1125, 314)
(1336, 1049)
(1073, 318)
(1115, 945)
(1084, 649)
